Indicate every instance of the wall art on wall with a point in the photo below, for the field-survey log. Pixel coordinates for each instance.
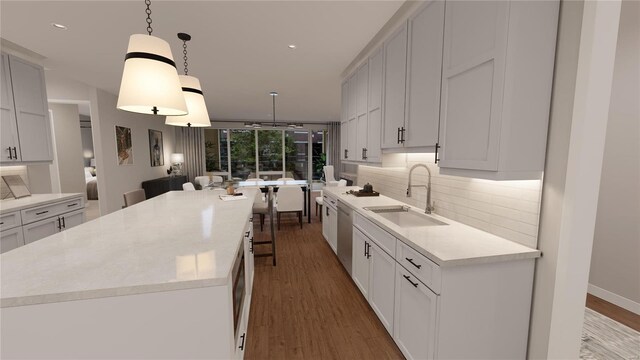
(156, 149)
(124, 146)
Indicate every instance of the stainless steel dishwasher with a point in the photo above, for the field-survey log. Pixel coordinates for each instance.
(345, 232)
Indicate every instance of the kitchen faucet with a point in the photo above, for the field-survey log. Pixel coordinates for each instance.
(429, 207)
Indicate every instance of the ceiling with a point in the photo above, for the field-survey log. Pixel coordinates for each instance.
(239, 49)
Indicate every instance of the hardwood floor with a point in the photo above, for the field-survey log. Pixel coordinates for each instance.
(307, 306)
(614, 312)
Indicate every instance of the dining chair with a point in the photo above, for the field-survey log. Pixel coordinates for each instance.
(289, 201)
(260, 204)
(286, 179)
(254, 179)
(202, 181)
(134, 197)
(319, 203)
(188, 187)
(216, 179)
(328, 173)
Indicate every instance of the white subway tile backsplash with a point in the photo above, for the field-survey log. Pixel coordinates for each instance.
(509, 209)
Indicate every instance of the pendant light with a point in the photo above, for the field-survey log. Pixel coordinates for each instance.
(198, 115)
(150, 83)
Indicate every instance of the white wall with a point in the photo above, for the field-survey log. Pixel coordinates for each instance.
(113, 179)
(615, 261)
(68, 144)
(509, 209)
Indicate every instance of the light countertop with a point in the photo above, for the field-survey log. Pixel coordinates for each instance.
(446, 245)
(10, 205)
(178, 240)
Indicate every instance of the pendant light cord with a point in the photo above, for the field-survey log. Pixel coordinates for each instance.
(184, 51)
(149, 21)
(274, 110)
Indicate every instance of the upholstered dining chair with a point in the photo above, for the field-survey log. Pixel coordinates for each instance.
(266, 211)
(286, 179)
(289, 201)
(216, 179)
(254, 179)
(134, 197)
(188, 187)
(202, 181)
(319, 203)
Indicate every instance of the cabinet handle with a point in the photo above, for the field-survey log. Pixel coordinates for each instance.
(251, 246)
(437, 147)
(64, 225)
(1, 222)
(242, 344)
(10, 154)
(246, 234)
(402, 139)
(414, 264)
(326, 210)
(409, 280)
(42, 212)
(15, 153)
(365, 249)
(365, 153)
(71, 205)
(59, 224)
(398, 137)
(368, 252)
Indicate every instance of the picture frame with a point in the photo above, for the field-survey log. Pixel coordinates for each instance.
(124, 145)
(16, 186)
(156, 148)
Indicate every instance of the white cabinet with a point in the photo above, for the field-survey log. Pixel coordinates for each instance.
(249, 256)
(344, 140)
(415, 316)
(41, 229)
(374, 126)
(333, 228)
(360, 262)
(381, 284)
(28, 132)
(424, 65)
(362, 89)
(496, 87)
(352, 152)
(395, 70)
(11, 239)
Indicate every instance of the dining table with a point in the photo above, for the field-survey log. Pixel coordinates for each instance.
(265, 184)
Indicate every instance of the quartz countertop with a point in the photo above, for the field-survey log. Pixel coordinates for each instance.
(178, 240)
(11, 205)
(446, 245)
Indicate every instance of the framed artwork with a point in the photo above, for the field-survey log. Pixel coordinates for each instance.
(17, 187)
(124, 147)
(156, 149)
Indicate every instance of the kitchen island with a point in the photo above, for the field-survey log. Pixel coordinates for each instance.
(154, 280)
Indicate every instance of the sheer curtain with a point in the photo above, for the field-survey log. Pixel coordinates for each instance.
(333, 147)
(190, 142)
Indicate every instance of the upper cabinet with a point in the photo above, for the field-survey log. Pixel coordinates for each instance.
(496, 87)
(362, 90)
(375, 106)
(395, 67)
(424, 66)
(26, 132)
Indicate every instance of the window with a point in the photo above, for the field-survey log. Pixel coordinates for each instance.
(319, 154)
(270, 153)
(296, 144)
(243, 153)
(216, 154)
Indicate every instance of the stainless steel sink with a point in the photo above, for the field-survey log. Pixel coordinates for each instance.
(404, 216)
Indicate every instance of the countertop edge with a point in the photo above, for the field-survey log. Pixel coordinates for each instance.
(64, 196)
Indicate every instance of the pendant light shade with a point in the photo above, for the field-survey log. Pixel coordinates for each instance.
(150, 83)
(198, 115)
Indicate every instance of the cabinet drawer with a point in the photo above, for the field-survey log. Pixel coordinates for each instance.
(424, 269)
(45, 211)
(385, 240)
(10, 220)
(329, 201)
(11, 239)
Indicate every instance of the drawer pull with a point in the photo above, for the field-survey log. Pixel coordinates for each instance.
(414, 264)
(242, 344)
(64, 225)
(42, 212)
(246, 234)
(74, 204)
(409, 280)
(2, 223)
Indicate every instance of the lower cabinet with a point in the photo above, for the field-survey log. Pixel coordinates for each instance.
(330, 223)
(373, 271)
(11, 239)
(414, 316)
(248, 256)
(55, 224)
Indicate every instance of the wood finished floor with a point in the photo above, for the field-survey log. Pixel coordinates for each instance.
(307, 306)
(614, 312)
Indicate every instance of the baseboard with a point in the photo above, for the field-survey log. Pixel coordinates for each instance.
(615, 299)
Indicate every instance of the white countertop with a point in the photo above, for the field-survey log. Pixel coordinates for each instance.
(178, 240)
(446, 245)
(11, 205)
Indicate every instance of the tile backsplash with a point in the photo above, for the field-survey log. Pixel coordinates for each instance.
(11, 170)
(509, 209)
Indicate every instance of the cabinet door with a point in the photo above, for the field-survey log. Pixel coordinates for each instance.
(32, 113)
(8, 125)
(344, 140)
(11, 239)
(333, 229)
(395, 71)
(41, 229)
(360, 262)
(344, 106)
(415, 316)
(353, 96)
(423, 75)
(374, 128)
(72, 219)
(353, 138)
(325, 222)
(475, 38)
(362, 81)
(382, 278)
(248, 257)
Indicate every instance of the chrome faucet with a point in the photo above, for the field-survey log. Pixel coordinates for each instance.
(429, 206)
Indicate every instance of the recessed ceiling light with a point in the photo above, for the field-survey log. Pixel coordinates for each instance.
(59, 26)
(292, 46)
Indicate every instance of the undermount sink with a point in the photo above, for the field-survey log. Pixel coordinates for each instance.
(404, 216)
